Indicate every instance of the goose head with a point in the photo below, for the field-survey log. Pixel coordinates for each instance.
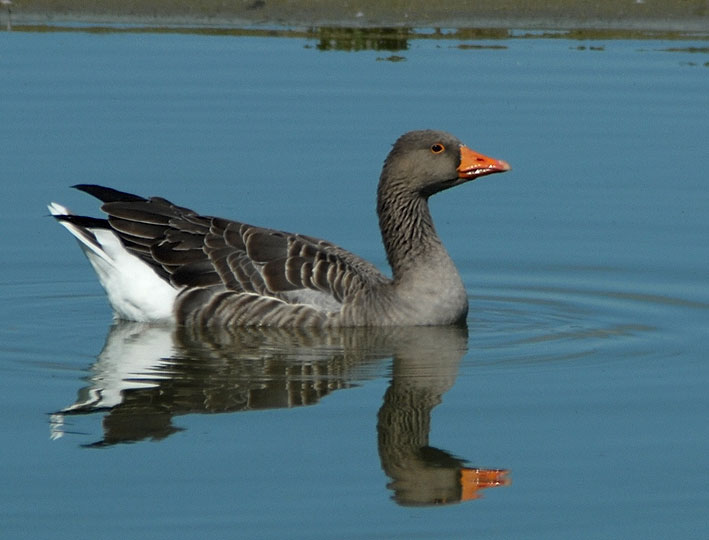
(429, 161)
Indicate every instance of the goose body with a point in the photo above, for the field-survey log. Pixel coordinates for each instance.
(162, 262)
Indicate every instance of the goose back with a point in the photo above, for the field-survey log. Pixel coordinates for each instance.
(234, 273)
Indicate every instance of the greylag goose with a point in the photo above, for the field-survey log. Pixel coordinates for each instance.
(162, 262)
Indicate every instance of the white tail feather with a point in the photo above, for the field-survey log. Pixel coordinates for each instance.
(135, 290)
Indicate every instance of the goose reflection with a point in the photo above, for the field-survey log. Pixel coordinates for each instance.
(424, 369)
(146, 375)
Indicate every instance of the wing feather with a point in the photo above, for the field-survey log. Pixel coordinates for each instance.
(258, 272)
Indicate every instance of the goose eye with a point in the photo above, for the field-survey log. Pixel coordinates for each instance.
(437, 148)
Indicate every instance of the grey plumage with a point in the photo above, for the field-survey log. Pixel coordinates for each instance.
(230, 273)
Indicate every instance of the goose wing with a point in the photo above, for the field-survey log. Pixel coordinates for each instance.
(194, 251)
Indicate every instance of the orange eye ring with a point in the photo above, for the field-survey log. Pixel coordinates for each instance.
(437, 148)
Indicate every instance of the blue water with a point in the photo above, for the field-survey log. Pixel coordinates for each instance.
(583, 373)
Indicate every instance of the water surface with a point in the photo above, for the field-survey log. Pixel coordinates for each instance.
(573, 406)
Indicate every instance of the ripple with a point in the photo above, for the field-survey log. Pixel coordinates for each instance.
(531, 321)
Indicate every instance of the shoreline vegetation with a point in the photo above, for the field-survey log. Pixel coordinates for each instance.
(479, 18)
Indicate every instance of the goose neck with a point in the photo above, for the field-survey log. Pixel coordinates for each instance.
(408, 233)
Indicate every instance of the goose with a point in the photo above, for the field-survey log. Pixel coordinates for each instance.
(159, 262)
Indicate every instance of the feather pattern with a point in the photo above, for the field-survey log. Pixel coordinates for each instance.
(210, 271)
(229, 272)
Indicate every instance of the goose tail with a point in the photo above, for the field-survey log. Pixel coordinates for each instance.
(135, 291)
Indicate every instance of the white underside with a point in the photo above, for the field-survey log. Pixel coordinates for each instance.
(135, 291)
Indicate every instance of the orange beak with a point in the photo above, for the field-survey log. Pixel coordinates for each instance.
(473, 164)
(473, 480)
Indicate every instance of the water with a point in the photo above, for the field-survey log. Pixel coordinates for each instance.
(582, 374)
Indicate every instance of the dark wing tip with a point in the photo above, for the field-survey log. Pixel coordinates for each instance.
(84, 221)
(106, 194)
